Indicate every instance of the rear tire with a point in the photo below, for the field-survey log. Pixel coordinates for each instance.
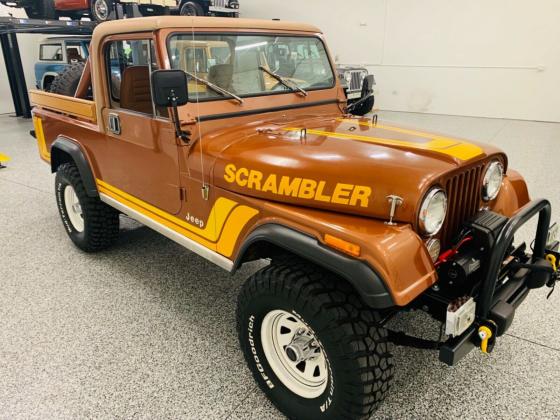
(356, 370)
(191, 8)
(42, 9)
(66, 82)
(102, 10)
(91, 224)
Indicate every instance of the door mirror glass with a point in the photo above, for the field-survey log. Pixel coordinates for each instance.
(169, 87)
(367, 85)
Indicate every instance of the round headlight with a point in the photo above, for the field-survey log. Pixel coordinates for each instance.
(348, 77)
(432, 211)
(434, 248)
(492, 181)
(363, 75)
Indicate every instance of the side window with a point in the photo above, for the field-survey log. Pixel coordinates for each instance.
(50, 52)
(129, 64)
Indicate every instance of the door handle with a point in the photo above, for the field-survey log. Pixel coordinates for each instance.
(114, 123)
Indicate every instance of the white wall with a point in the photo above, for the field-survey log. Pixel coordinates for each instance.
(497, 58)
(29, 51)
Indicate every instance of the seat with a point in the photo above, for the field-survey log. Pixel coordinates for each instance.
(221, 75)
(135, 89)
(73, 55)
(247, 77)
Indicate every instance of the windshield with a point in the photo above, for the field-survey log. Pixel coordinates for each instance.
(233, 63)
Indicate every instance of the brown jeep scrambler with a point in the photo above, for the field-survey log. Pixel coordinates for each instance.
(233, 138)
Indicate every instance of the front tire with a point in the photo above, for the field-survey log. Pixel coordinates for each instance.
(191, 8)
(91, 224)
(312, 345)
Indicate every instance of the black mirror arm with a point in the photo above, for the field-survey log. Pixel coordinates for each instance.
(358, 102)
(181, 134)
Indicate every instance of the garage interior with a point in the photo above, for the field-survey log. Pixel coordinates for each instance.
(147, 329)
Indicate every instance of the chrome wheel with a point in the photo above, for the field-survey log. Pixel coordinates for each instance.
(73, 208)
(294, 353)
(101, 9)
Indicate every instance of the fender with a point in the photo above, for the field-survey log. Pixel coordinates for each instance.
(359, 274)
(63, 147)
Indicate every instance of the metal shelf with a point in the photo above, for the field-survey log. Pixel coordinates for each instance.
(9, 28)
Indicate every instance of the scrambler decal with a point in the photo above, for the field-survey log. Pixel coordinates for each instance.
(347, 194)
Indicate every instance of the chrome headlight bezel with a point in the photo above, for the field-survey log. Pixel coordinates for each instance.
(427, 226)
(494, 173)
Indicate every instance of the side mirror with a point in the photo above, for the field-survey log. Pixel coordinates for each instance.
(365, 104)
(169, 88)
(367, 85)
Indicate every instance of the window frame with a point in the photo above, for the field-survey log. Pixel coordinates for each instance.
(107, 64)
(51, 60)
(256, 95)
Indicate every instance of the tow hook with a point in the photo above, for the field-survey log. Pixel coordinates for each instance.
(487, 336)
(551, 258)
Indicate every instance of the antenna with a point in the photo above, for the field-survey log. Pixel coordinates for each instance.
(204, 185)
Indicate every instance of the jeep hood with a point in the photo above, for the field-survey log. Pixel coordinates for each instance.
(346, 165)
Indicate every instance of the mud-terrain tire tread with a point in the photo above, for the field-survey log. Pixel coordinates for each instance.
(66, 82)
(101, 220)
(352, 322)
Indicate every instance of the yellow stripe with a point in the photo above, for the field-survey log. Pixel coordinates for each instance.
(40, 135)
(239, 218)
(444, 145)
(159, 219)
(222, 220)
(4, 158)
(216, 219)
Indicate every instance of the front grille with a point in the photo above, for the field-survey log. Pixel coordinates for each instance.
(463, 200)
(220, 3)
(355, 81)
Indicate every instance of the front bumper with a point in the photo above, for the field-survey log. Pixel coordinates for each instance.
(496, 306)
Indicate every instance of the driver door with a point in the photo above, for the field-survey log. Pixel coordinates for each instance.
(140, 139)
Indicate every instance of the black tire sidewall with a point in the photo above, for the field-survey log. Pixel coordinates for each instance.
(199, 11)
(250, 323)
(110, 8)
(61, 182)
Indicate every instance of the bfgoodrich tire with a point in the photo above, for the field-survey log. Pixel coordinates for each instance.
(91, 224)
(312, 345)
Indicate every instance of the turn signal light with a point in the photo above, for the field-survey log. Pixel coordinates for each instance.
(342, 245)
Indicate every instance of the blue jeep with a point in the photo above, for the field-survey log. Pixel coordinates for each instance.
(56, 54)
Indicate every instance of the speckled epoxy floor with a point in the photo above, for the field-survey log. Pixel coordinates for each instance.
(146, 330)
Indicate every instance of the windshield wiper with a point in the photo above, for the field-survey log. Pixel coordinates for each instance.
(215, 88)
(286, 82)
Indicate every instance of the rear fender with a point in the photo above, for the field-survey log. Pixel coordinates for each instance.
(64, 150)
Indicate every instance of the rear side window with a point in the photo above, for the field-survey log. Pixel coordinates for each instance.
(129, 65)
(50, 52)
